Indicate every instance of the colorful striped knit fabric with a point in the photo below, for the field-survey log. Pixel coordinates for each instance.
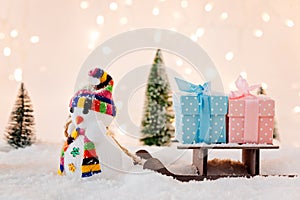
(104, 79)
(90, 163)
(62, 160)
(99, 102)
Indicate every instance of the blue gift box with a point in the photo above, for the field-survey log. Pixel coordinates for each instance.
(199, 117)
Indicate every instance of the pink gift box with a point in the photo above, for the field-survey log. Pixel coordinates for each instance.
(251, 118)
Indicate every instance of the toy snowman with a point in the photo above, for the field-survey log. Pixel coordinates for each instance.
(88, 150)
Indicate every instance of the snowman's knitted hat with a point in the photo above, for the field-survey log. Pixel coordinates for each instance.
(99, 98)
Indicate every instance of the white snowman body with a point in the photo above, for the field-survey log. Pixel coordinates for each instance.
(73, 162)
(94, 124)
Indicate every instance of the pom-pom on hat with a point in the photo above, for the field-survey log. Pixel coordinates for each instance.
(99, 98)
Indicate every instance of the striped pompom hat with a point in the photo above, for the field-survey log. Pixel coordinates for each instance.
(99, 98)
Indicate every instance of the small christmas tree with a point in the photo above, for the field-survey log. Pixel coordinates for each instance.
(158, 113)
(262, 91)
(20, 130)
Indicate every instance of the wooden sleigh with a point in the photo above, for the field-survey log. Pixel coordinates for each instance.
(250, 160)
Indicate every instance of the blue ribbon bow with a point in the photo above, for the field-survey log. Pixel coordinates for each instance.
(203, 93)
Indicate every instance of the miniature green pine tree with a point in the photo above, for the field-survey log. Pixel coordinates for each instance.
(20, 130)
(262, 91)
(158, 113)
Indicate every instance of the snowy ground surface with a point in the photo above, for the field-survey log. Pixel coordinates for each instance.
(30, 173)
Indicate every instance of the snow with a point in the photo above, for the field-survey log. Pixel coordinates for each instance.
(30, 173)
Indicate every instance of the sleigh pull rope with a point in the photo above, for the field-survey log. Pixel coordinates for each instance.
(135, 158)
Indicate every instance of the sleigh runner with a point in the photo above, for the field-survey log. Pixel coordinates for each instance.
(204, 173)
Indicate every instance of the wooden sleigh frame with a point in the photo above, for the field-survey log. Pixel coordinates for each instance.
(250, 155)
(250, 158)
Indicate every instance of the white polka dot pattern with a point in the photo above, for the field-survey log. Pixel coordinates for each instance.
(266, 107)
(189, 105)
(219, 105)
(265, 132)
(236, 111)
(236, 132)
(189, 122)
(236, 108)
(217, 130)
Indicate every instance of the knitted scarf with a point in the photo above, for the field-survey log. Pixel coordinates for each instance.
(90, 163)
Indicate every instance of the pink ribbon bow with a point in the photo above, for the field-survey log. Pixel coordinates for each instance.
(243, 88)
